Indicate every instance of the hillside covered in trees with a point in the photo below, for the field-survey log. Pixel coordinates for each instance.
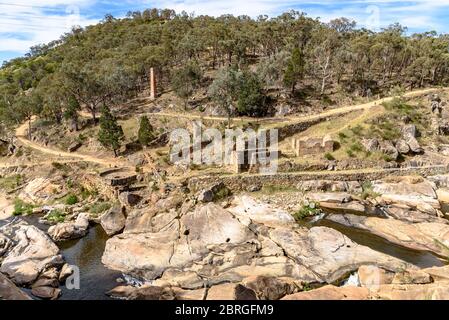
(291, 54)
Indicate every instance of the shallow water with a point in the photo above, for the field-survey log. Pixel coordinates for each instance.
(422, 259)
(85, 253)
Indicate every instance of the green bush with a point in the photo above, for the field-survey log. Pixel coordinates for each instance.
(329, 156)
(308, 210)
(56, 216)
(99, 207)
(71, 199)
(22, 208)
(368, 191)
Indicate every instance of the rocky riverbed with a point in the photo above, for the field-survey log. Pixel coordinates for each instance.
(386, 241)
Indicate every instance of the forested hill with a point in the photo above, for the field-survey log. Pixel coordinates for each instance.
(108, 63)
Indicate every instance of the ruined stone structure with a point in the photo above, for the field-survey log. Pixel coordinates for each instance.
(312, 146)
(153, 84)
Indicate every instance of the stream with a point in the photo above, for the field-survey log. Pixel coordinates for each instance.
(96, 280)
(85, 253)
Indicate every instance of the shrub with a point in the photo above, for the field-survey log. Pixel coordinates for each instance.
(99, 207)
(308, 210)
(22, 208)
(329, 156)
(71, 199)
(56, 216)
(368, 191)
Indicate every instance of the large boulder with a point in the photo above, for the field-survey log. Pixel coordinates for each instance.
(371, 145)
(331, 293)
(9, 291)
(40, 190)
(113, 221)
(246, 207)
(32, 253)
(329, 253)
(402, 146)
(424, 236)
(389, 149)
(413, 192)
(177, 245)
(70, 230)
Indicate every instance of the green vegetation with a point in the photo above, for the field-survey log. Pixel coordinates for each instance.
(56, 216)
(99, 207)
(145, 134)
(111, 133)
(185, 80)
(308, 210)
(12, 182)
(22, 208)
(329, 156)
(71, 199)
(368, 192)
(109, 63)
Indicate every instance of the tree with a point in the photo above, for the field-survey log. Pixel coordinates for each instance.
(295, 69)
(145, 134)
(223, 90)
(26, 107)
(111, 133)
(185, 80)
(251, 98)
(71, 111)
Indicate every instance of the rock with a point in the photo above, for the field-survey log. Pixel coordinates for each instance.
(137, 159)
(180, 242)
(70, 230)
(5, 244)
(438, 274)
(39, 190)
(46, 292)
(414, 192)
(230, 291)
(254, 188)
(371, 145)
(332, 197)
(371, 276)
(402, 147)
(246, 207)
(410, 130)
(412, 277)
(270, 288)
(283, 110)
(113, 221)
(433, 291)
(388, 148)
(331, 293)
(206, 196)
(128, 199)
(404, 213)
(9, 291)
(74, 146)
(328, 253)
(424, 236)
(32, 253)
(443, 195)
(351, 207)
(46, 282)
(213, 193)
(66, 271)
(414, 145)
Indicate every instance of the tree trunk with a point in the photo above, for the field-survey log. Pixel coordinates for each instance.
(29, 129)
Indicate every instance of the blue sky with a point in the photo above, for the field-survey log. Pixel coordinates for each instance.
(24, 23)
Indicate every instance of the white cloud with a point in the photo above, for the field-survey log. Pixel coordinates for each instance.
(27, 23)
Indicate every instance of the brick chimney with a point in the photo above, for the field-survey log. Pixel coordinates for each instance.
(153, 85)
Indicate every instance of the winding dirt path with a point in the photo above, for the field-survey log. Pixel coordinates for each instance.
(21, 136)
(111, 162)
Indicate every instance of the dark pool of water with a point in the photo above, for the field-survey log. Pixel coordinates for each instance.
(85, 253)
(422, 259)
